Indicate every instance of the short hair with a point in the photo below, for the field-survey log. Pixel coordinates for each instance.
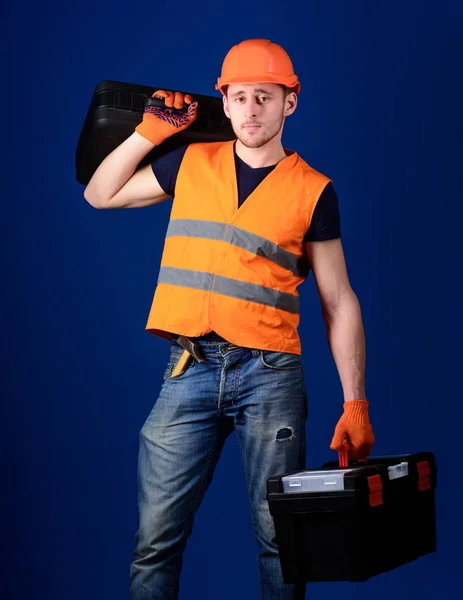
(286, 90)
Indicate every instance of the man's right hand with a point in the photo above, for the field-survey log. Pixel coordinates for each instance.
(159, 123)
(353, 433)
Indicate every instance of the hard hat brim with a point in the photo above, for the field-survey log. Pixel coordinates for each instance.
(290, 82)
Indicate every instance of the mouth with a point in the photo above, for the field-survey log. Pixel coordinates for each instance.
(251, 126)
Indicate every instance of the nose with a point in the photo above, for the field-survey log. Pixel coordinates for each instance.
(251, 108)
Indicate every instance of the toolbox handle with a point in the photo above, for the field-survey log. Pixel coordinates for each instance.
(343, 457)
(160, 103)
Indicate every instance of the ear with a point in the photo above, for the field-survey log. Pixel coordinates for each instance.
(290, 104)
(225, 106)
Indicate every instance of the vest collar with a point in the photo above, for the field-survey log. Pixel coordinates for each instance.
(284, 166)
(257, 200)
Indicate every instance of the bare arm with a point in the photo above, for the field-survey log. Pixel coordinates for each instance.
(117, 183)
(341, 313)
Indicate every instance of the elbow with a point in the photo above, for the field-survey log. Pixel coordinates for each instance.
(340, 304)
(94, 200)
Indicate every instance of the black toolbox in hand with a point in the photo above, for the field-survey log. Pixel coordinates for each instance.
(351, 523)
(115, 110)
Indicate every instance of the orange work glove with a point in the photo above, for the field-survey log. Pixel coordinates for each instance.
(354, 433)
(159, 123)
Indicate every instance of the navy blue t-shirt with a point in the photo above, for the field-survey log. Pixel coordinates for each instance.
(325, 224)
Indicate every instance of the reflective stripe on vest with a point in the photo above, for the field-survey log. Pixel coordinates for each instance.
(229, 287)
(212, 230)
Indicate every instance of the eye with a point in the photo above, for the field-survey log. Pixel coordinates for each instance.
(264, 99)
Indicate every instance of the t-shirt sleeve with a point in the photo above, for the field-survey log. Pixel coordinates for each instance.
(166, 168)
(326, 221)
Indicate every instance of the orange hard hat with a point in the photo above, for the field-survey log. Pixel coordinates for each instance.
(255, 61)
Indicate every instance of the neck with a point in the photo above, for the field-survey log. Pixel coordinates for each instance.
(265, 156)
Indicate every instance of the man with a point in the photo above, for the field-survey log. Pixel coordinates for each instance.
(248, 219)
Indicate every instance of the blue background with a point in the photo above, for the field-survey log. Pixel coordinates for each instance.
(379, 113)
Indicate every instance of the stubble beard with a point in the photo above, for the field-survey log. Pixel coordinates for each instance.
(259, 139)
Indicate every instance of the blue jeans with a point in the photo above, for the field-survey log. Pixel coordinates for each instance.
(258, 394)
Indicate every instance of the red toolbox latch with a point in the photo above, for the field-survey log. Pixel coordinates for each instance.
(424, 482)
(376, 490)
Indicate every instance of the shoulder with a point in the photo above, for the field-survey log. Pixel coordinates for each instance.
(309, 169)
(172, 158)
(209, 148)
(167, 166)
(328, 194)
(309, 173)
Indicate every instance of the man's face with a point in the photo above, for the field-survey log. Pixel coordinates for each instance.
(257, 111)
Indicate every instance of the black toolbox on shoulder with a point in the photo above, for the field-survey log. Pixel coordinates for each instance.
(349, 524)
(116, 108)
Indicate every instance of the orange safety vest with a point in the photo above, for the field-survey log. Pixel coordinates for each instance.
(235, 270)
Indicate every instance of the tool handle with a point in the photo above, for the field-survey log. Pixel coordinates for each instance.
(159, 102)
(343, 457)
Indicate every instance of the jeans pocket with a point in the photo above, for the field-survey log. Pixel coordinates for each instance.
(168, 372)
(175, 356)
(280, 361)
